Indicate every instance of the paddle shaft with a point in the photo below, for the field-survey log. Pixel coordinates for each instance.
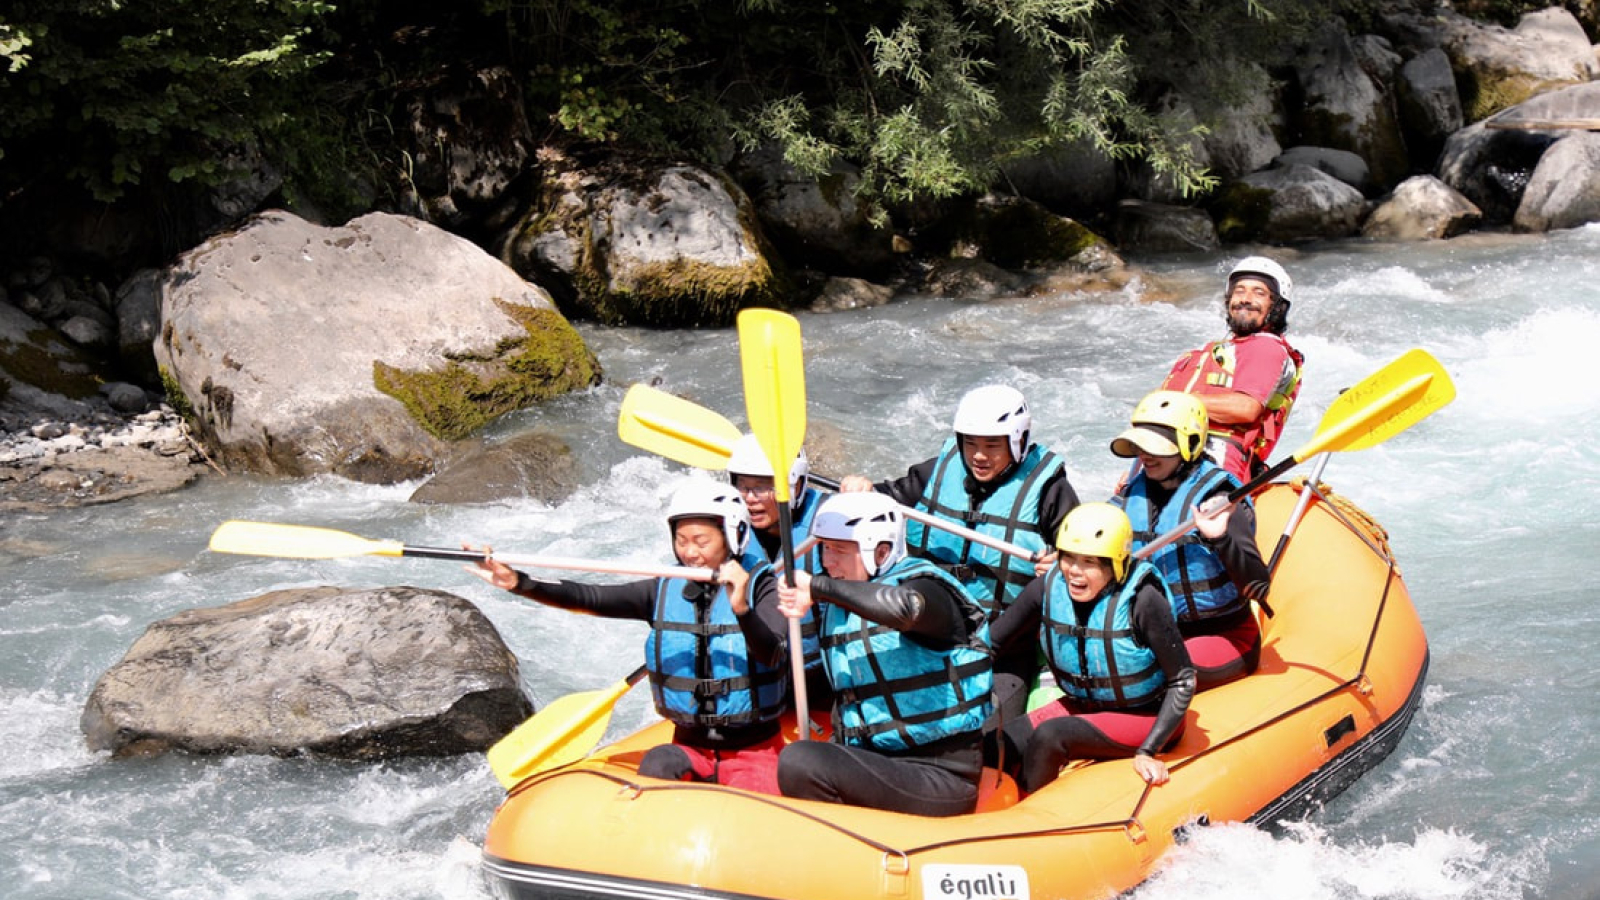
(911, 512)
(691, 573)
(1297, 515)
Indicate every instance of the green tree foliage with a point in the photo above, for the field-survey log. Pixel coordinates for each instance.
(930, 97)
(110, 94)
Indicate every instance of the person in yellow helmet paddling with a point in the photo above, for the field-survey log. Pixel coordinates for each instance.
(1106, 626)
(1213, 571)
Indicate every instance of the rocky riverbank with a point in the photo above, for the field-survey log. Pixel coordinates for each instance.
(55, 463)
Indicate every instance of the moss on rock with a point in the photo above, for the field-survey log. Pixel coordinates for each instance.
(469, 392)
(46, 363)
(176, 398)
(1242, 212)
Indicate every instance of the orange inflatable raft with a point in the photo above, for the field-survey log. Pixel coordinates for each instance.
(1342, 668)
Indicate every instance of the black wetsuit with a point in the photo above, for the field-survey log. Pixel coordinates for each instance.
(1014, 672)
(1042, 750)
(935, 780)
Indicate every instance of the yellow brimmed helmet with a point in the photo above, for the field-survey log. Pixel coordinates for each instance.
(1098, 529)
(1183, 413)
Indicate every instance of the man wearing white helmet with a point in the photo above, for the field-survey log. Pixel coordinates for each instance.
(715, 651)
(899, 634)
(1248, 381)
(991, 477)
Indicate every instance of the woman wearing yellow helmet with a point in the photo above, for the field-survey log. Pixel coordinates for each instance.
(1214, 571)
(1105, 623)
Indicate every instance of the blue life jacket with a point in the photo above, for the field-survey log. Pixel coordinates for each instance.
(1011, 514)
(1101, 665)
(1201, 588)
(892, 693)
(700, 669)
(810, 561)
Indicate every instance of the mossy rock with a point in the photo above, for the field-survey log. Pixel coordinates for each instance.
(47, 363)
(1489, 92)
(1242, 212)
(468, 393)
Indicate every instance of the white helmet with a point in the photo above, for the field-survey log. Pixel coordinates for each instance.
(747, 458)
(1261, 266)
(866, 517)
(996, 410)
(702, 499)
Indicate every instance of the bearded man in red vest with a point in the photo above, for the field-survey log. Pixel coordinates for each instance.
(1248, 381)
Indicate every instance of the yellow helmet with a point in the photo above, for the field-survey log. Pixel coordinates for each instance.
(1165, 423)
(1098, 529)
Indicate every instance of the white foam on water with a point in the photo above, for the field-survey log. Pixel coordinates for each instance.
(1227, 862)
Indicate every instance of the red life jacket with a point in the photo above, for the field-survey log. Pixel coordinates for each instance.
(1241, 447)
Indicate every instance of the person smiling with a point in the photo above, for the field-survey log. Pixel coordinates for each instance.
(1248, 381)
(1213, 571)
(1105, 623)
(714, 650)
(992, 477)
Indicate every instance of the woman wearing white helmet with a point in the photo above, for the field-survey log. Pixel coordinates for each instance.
(992, 477)
(898, 633)
(715, 651)
(1214, 571)
(1104, 621)
(1249, 379)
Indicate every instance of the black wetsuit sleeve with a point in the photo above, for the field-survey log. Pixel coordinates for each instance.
(1057, 499)
(764, 626)
(1154, 624)
(631, 600)
(1019, 624)
(907, 489)
(925, 608)
(1241, 555)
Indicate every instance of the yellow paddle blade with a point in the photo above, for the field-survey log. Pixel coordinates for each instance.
(675, 428)
(560, 734)
(1383, 404)
(774, 387)
(296, 541)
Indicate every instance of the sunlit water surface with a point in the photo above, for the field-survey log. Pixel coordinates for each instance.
(1490, 506)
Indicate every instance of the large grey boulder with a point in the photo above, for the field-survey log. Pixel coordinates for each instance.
(42, 373)
(1492, 166)
(1564, 191)
(815, 222)
(360, 350)
(1292, 203)
(1421, 208)
(1345, 109)
(1243, 135)
(527, 466)
(1074, 180)
(638, 242)
(1430, 105)
(361, 674)
(1164, 228)
(1498, 68)
(1348, 167)
(469, 142)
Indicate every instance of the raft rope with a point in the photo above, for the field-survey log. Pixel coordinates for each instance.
(1357, 520)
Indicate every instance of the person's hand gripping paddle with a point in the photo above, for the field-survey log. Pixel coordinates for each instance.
(775, 402)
